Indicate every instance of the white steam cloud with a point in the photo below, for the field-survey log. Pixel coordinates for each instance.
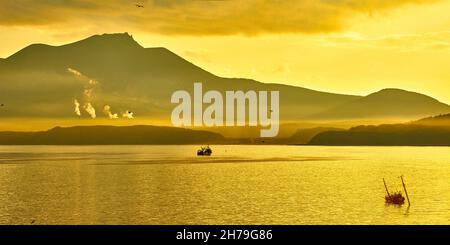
(74, 72)
(88, 87)
(90, 110)
(128, 114)
(77, 107)
(107, 111)
(88, 95)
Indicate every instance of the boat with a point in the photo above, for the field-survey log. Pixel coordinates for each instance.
(204, 151)
(396, 198)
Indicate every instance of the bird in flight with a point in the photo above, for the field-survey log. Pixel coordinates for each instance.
(139, 5)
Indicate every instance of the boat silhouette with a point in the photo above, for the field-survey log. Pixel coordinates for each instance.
(204, 151)
(396, 198)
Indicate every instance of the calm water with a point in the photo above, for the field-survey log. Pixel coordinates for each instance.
(237, 185)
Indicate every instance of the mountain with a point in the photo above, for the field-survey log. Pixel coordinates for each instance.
(386, 135)
(303, 136)
(36, 81)
(110, 135)
(113, 69)
(387, 103)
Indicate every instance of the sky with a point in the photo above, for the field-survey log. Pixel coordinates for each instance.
(343, 46)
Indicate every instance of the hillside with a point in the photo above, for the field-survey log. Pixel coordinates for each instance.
(129, 76)
(109, 135)
(43, 81)
(387, 103)
(440, 120)
(386, 135)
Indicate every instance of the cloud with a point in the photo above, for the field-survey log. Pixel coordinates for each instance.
(128, 114)
(90, 85)
(74, 72)
(77, 107)
(197, 17)
(406, 42)
(197, 55)
(107, 112)
(90, 110)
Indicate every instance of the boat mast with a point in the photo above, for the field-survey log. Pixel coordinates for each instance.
(385, 186)
(406, 193)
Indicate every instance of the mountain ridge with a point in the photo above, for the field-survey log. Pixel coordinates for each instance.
(142, 79)
(386, 135)
(130, 77)
(386, 103)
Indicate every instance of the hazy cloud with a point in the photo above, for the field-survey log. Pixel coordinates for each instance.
(197, 17)
(407, 42)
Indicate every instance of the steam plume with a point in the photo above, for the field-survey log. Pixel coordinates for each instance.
(90, 110)
(88, 95)
(128, 114)
(107, 111)
(75, 72)
(77, 107)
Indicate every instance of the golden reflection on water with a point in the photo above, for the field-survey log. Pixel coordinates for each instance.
(237, 185)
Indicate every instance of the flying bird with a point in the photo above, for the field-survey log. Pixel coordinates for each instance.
(139, 5)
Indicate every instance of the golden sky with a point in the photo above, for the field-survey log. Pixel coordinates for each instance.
(346, 46)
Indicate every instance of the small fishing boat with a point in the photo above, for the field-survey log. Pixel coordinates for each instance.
(204, 151)
(396, 198)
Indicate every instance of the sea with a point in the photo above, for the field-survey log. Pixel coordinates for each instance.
(237, 184)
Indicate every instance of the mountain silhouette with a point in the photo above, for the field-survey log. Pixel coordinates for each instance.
(387, 103)
(35, 82)
(386, 135)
